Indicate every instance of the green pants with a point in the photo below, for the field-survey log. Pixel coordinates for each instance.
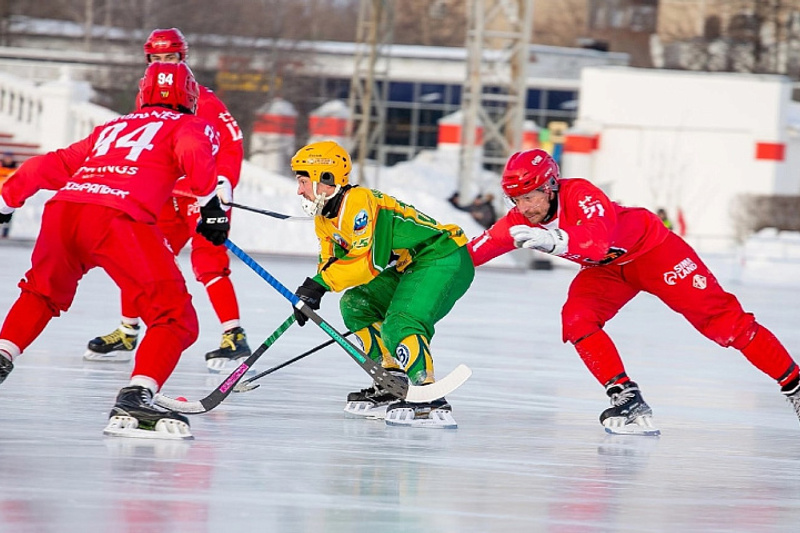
(409, 302)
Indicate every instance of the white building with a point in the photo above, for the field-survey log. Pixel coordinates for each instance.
(685, 141)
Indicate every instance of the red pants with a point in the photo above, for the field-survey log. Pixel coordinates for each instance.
(75, 238)
(674, 273)
(210, 264)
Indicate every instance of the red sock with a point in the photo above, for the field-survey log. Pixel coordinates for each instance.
(223, 299)
(601, 357)
(767, 354)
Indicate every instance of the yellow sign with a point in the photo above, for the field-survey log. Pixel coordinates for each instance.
(251, 82)
(558, 131)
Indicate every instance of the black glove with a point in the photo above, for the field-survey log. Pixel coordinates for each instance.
(214, 223)
(5, 218)
(311, 293)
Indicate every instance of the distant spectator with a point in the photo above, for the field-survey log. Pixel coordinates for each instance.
(8, 160)
(662, 214)
(455, 201)
(482, 210)
(7, 163)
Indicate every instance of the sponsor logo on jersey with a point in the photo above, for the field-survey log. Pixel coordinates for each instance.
(680, 271)
(94, 188)
(109, 169)
(591, 206)
(360, 222)
(157, 113)
(699, 282)
(340, 241)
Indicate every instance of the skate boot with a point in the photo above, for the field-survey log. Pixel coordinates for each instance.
(629, 414)
(116, 347)
(372, 401)
(435, 414)
(368, 403)
(6, 366)
(793, 397)
(135, 415)
(232, 348)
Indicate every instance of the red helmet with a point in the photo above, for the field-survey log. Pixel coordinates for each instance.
(529, 170)
(169, 41)
(170, 85)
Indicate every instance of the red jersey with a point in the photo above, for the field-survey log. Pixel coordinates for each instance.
(600, 231)
(130, 163)
(231, 151)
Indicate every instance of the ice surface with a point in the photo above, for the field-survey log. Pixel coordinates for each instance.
(529, 454)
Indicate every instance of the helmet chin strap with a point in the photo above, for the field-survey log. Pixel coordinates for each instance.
(314, 207)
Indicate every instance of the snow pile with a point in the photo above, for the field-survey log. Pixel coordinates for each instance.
(769, 257)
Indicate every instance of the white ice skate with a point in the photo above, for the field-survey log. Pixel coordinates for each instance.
(166, 428)
(435, 415)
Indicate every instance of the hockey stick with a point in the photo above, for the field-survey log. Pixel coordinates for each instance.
(272, 214)
(393, 385)
(227, 386)
(246, 385)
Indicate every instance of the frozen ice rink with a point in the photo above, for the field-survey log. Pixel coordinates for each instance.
(529, 453)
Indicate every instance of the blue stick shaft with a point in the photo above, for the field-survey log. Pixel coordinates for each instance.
(379, 374)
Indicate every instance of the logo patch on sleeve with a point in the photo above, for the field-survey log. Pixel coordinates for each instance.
(340, 241)
(361, 221)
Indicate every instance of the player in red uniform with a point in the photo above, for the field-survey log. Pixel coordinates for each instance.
(111, 186)
(622, 251)
(178, 220)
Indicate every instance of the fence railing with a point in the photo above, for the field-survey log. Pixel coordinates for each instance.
(52, 114)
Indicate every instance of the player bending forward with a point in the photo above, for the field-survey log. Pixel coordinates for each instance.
(177, 220)
(403, 272)
(111, 186)
(622, 250)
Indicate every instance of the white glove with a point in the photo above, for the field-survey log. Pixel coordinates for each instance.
(4, 207)
(224, 192)
(550, 241)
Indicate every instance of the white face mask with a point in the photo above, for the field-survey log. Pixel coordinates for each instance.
(314, 207)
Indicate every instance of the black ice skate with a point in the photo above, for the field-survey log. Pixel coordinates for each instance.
(135, 415)
(435, 414)
(629, 414)
(793, 397)
(6, 366)
(232, 348)
(368, 403)
(116, 347)
(372, 401)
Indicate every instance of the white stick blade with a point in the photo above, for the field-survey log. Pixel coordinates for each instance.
(440, 388)
(179, 406)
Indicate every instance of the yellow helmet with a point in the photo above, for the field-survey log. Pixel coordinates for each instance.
(325, 162)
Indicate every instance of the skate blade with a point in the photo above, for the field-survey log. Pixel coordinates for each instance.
(436, 419)
(166, 429)
(110, 357)
(244, 386)
(223, 364)
(365, 410)
(641, 425)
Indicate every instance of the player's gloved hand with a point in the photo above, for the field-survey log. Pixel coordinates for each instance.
(5, 211)
(224, 192)
(214, 224)
(311, 293)
(550, 241)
